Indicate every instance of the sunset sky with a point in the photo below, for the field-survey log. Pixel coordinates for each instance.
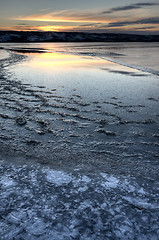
(127, 16)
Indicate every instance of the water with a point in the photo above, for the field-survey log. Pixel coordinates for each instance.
(140, 55)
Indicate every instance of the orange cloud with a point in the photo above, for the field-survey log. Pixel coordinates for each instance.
(55, 28)
(19, 28)
(66, 16)
(87, 28)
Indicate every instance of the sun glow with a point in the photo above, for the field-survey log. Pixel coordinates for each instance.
(55, 28)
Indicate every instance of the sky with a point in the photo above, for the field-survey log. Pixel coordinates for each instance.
(124, 16)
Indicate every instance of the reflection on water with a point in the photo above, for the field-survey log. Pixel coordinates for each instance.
(50, 69)
(51, 60)
(142, 55)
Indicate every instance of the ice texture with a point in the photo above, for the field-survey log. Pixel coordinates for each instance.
(58, 177)
(53, 204)
(79, 142)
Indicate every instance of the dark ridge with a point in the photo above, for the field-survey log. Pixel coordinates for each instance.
(16, 36)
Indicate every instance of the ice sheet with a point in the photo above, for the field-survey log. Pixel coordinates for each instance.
(94, 126)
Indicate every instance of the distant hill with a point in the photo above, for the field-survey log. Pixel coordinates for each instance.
(16, 36)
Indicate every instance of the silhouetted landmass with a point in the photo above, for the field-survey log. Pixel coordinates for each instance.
(16, 36)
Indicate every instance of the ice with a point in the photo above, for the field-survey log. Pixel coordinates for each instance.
(56, 204)
(16, 217)
(3, 54)
(111, 182)
(141, 204)
(79, 143)
(58, 177)
(37, 228)
(7, 182)
(85, 179)
(83, 189)
(50, 115)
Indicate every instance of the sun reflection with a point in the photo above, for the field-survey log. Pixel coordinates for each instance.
(50, 60)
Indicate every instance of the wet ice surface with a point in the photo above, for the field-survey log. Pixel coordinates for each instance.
(64, 107)
(40, 203)
(85, 118)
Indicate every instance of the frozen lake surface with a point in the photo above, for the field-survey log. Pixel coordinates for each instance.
(86, 111)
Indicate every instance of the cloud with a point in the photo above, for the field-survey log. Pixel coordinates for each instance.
(67, 16)
(146, 4)
(85, 17)
(93, 20)
(140, 28)
(44, 10)
(22, 24)
(130, 7)
(154, 20)
(90, 24)
(19, 28)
